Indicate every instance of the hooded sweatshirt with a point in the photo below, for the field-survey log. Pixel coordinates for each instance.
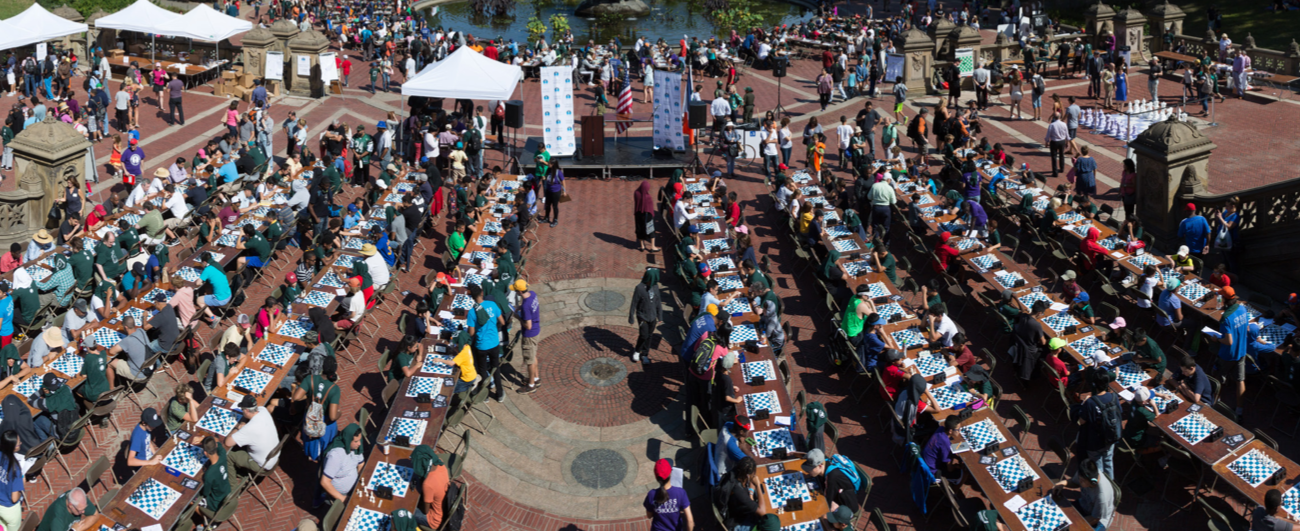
(646, 304)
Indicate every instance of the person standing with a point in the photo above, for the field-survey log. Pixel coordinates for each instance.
(1058, 138)
(484, 321)
(554, 193)
(981, 78)
(1233, 340)
(175, 88)
(529, 313)
(1101, 423)
(1072, 119)
(1153, 78)
(644, 217)
(1085, 169)
(646, 311)
(824, 85)
(668, 507)
(1195, 232)
(868, 117)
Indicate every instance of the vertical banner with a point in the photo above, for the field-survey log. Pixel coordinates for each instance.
(557, 110)
(668, 111)
(893, 67)
(329, 68)
(274, 66)
(965, 61)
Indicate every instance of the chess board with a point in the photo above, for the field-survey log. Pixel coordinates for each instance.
(261, 212)
(931, 211)
(931, 365)
(421, 384)
(1042, 515)
(474, 280)
(251, 221)
(708, 212)
(355, 244)
(1193, 291)
(1193, 428)
(455, 324)
(364, 519)
(1111, 242)
(1030, 298)
(758, 368)
(252, 380)
(887, 311)
(694, 188)
(480, 256)
(389, 475)
(1008, 472)
(1291, 501)
(403, 187)
(738, 305)
(764, 400)
(981, 433)
(1060, 321)
(1275, 334)
(275, 354)
(1144, 260)
(815, 525)
(952, 226)
(1042, 203)
(107, 337)
(721, 264)
(783, 488)
(28, 386)
(1131, 375)
(1160, 402)
(38, 273)
(769, 440)
(331, 280)
(730, 283)
(1254, 468)
(69, 364)
(153, 498)
(708, 226)
(846, 245)
(316, 298)
(1069, 217)
(373, 223)
(830, 215)
(702, 199)
(811, 190)
(136, 314)
(1007, 279)
(801, 176)
(505, 197)
(838, 231)
(186, 457)
(878, 289)
(294, 329)
(488, 240)
(966, 244)
(436, 365)
(131, 219)
(462, 302)
(219, 421)
(1168, 274)
(743, 332)
(716, 245)
(858, 268)
(1082, 230)
(345, 260)
(909, 337)
(153, 293)
(1085, 345)
(393, 197)
(949, 396)
(492, 226)
(188, 274)
(984, 261)
(227, 240)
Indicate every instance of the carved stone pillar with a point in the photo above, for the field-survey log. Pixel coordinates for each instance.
(1172, 166)
(1129, 32)
(1165, 18)
(284, 31)
(256, 44)
(938, 32)
(307, 45)
(45, 155)
(1099, 19)
(918, 57)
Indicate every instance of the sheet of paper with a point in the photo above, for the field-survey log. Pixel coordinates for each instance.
(1211, 332)
(782, 420)
(1059, 306)
(446, 315)
(155, 527)
(1126, 395)
(340, 292)
(435, 331)
(1015, 503)
(471, 271)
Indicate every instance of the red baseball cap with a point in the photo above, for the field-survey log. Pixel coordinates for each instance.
(782, 167)
(1191, 207)
(135, 141)
(1292, 299)
(945, 237)
(663, 469)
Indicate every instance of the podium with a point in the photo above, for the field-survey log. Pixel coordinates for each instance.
(593, 135)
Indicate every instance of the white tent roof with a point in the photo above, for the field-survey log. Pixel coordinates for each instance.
(465, 74)
(142, 16)
(14, 36)
(205, 24)
(44, 24)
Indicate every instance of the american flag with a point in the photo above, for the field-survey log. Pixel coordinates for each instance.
(625, 101)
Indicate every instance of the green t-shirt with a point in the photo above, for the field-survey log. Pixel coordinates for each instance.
(321, 389)
(362, 143)
(112, 259)
(57, 517)
(216, 481)
(758, 278)
(402, 361)
(288, 293)
(95, 369)
(205, 234)
(891, 268)
(152, 224)
(128, 239)
(83, 267)
(456, 244)
(1151, 352)
(175, 414)
(28, 302)
(258, 244)
(1135, 430)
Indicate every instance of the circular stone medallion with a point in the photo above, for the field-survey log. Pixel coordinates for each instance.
(605, 301)
(603, 372)
(599, 468)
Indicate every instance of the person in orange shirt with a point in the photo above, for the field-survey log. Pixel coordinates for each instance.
(817, 153)
(432, 492)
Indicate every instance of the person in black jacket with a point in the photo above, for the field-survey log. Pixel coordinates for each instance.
(647, 310)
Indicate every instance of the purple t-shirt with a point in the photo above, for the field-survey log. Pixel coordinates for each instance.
(556, 183)
(937, 450)
(531, 310)
(668, 515)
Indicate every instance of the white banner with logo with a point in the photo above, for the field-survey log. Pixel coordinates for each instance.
(668, 111)
(965, 61)
(557, 110)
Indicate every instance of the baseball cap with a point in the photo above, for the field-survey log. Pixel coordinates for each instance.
(1292, 299)
(291, 277)
(1142, 394)
(945, 236)
(712, 309)
(521, 285)
(1069, 274)
(135, 141)
(242, 320)
(704, 269)
(663, 469)
(1183, 250)
(814, 459)
(150, 418)
(352, 208)
(782, 167)
(1191, 207)
(1081, 297)
(1056, 343)
(50, 381)
(841, 515)
(1118, 324)
(1173, 283)
(1229, 293)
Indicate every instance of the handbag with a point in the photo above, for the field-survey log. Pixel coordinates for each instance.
(55, 211)
(650, 225)
(1222, 239)
(564, 197)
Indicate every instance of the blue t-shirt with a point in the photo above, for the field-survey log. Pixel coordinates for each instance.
(486, 335)
(1198, 383)
(228, 172)
(11, 481)
(1233, 324)
(701, 324)
(140, 443)
(1194, 231)
(1170, 303)
(937, 450)
(7, 313)
(220, 284)
(874, 347)
(531, 311)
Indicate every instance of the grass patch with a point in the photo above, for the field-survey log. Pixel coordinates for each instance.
(9, 8)
(1273, 30)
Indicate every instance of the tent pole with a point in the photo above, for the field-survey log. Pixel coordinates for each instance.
(153, 45)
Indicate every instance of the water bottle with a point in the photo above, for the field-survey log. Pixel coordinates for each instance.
(1218, 299)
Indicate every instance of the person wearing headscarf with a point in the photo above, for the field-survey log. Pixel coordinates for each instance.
(646, 311)
(644, 216)
(323, 326)
(433, 488)
(18, 418)
(343, 460)
(1092, 251)
(1027, 204)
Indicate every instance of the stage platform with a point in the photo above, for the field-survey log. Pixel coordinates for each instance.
(624, 157)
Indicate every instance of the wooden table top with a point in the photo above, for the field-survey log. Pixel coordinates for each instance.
(1256, 493)
(1176, 57)
(811, 511)
(1208, 452)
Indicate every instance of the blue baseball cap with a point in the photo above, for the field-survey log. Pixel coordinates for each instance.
(1081, 297)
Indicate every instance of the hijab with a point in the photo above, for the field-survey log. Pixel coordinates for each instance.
(19, 419)
(323, 325)
(645, 202)
(829, 267)
(1027, 203)
(344, 441)
(22, 279)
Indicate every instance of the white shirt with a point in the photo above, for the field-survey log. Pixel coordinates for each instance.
(430, 145)
(680, 215)
(763, 50)
(379, 273)
(720, 107)
(136, 196)
(770, 140)
(845, 132)
(176, 204)
(946, 329)
(155, 186)
(357, 305)
(786, 143)
(260, 437)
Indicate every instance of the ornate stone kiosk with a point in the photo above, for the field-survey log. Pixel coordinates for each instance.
(1172, 161)
(45, 155)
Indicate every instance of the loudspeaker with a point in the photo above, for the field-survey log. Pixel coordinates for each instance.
(778, 68)
(515, 113)
(697, 115)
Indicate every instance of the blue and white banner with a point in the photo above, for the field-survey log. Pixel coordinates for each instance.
(557, 110)
(668, 111)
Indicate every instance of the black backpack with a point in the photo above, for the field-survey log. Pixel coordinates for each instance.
(721, 498)
(1110, 421)
(30, 66)
(452, 520)
(703, 354)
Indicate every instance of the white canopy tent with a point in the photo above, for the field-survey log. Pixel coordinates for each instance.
(14, 36)
(204, 24)
(142, 16)
(465, 74)
(45, 25)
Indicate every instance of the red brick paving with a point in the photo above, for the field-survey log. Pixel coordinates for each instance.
(645, 390)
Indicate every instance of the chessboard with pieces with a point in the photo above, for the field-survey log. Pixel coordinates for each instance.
(1008, 472)
(838, 231)
(877, 289)
(1160, 402)
(355, 244)
(488, 240)
(930, 365)
(1008, 279)
(716, 245)
(708, 226)
(981, 433)
(721, 264)
(316, 298)
(783, 488)
(1029, 299)
(69, 364)
(846, 245)
(462, 302)
(889, 310)
(1193, 291)
(830, 215)
(252, 380)
(28, 386)
(186, 457)
(910, 336)
(107, 337)
(492, 226)
(1193, 428)
(738, 305)
(331, 280)
(295, 329)
(421, 384)
(1131, 375)
(743, 332)
(412, 429)
(758, 368)
(436, 365)
(1254, 468)
(364, 519)
(1086, 345)
(154, 293)
(188, 274)
(345, 260)
(814, 525)
(38, 273)
(1291, 501)
(764, 400)
(1275, 333)
(153, 498)
(966, 244)
(984, 261)
(766, 441)
(396, 477)
(1082, 230)
(1043, 515)
(1144, 260)
(227, 240)
(858, 268)
(1060, 321)
(950, 396)
(1112, 243)
(1069, 217)
(730, 283)
(276, 354)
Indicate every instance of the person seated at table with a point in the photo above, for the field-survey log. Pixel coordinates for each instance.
(1191, 381)
(949, 151)
(939, 330)
(745, 505)
(959, 354)
(456, 240)
(727, 451)
(1147, 353)
(141, 452)
(976, 219)
(408, 358)
(952, 201)
(1097, 494)
(1183, 262)
(944, 253)
(257, 435)
(1081, 308)
(842, 479)
(1169, 302)
(1139, 432)
(1085, 206)
(110, 260)
(979, 384)
(57, 406)
(258, 250)
(1219, 277)
(1270, 516)
(216, 478)
(938, 456)
(353, 307)
(134, 280)
(14, 258)
(229, 360)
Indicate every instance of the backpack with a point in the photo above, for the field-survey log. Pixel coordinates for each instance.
(1111, 424)
(29, 66)
(452, 520)
(314, 424)
(721, 498)
(474, 141)
(703, 355)
(914, 128)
